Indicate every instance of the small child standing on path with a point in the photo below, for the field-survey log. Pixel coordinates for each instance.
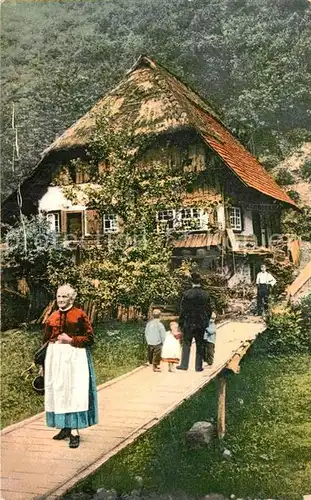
(171, 346)
(210, 339)
(155, 336)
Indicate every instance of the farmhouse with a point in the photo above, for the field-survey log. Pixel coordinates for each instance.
(246, 201)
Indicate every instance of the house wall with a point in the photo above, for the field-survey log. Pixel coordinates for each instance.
(54, 200)
(183, 151)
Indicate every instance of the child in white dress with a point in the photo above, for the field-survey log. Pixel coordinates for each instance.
(171, 346)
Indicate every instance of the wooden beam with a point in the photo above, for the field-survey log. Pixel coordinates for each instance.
(221, 420)
(234, 363)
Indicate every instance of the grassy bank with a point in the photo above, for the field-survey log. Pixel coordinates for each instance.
(119, 348)
(268, 432)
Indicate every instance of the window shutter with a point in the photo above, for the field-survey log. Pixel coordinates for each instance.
(93, 222)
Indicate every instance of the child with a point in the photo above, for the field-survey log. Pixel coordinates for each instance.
(210, 339)
(155, 335)
(171, 346)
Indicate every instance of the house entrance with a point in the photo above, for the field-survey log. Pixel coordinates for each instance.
(74, 224)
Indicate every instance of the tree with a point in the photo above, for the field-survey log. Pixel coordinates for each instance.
(134, 266)
(30, 247)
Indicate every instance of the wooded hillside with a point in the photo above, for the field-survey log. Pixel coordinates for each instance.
(251, 59)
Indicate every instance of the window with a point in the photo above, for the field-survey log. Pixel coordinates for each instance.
(53, 219)
(190, 219)
(236, 219)
(165, 220)
(185, 219)
(110, 223)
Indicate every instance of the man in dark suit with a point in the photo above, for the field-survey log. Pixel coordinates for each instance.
(195, 313)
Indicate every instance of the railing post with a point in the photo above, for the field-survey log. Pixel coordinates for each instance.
(221, 419)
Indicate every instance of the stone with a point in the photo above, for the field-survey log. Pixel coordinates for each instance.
(103, 494)
(81, 495)
(200, 433)
(227, 453)
(135, 493)
(214, 496)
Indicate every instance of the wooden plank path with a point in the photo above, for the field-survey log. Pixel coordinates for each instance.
(36, 467)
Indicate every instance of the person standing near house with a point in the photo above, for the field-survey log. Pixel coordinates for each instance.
(70, 397)
(155, 336)
(264, 282)
(195, 313)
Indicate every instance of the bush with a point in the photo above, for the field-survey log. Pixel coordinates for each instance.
(298, 223)
(14, 309)
(305, 170)
(283, 271)
(286, 334)
(305, 310)
(284, 177)
(294, 195)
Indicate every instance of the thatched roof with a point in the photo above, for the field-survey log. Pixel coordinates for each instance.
(149, 97)
(153, 100)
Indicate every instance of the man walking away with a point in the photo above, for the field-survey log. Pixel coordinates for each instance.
(155, 335)
(195, 313)
(264, 281)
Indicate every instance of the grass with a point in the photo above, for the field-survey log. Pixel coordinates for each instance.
(268, 432)
(119, 348)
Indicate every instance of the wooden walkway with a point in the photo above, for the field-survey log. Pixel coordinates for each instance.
(36, 467)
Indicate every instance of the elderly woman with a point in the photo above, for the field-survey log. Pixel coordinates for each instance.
(70, 388)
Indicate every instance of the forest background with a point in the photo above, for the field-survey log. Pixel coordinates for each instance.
(250, 59)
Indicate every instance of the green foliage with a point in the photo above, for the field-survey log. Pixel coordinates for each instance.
(29, 246)
(267, 430)
(131, 188)
(127, 274)
(14, 309)
(298, 223)
(304, 308)
(294, 195)
(133, 267)
(252, 60)
(118, 349)
(305, 170)
(288, 333)
(284, 177)
(283, 271)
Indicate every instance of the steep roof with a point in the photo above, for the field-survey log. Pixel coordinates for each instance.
(154, 101)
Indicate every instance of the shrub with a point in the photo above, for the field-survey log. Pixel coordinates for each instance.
(294, 195)
(304, 306)
(305, 170)
(14, 309)
(284, 177)
(286, 334)
(283, 271)
(298, 223)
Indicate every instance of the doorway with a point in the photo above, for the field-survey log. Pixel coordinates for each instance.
(74, 224)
